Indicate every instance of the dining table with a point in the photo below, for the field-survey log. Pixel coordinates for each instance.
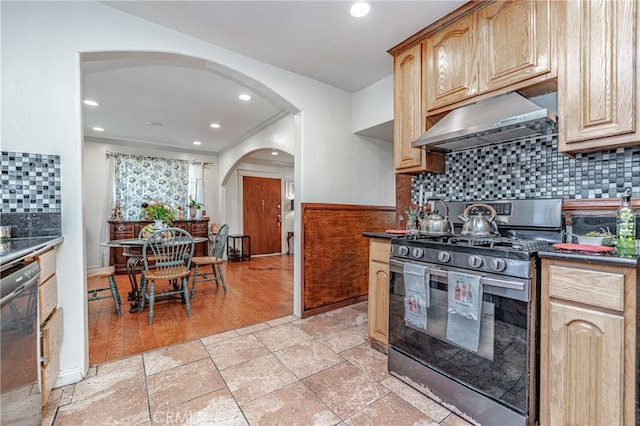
(132, 250)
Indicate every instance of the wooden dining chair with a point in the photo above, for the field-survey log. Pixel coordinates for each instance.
(166, 255)
(215, 258)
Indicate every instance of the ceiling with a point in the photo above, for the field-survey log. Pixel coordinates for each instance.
(168, 102)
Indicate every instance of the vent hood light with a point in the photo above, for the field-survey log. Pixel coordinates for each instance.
(244, 97)
(500, 119)
(98, 129)
(90, 102)
(197, 143)
(214, 125)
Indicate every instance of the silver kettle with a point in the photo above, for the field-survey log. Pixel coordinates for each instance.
(479, 225)
(435, 225)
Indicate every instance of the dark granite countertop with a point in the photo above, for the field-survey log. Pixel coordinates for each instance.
(17, 249)
(379, 235)
(584, 256)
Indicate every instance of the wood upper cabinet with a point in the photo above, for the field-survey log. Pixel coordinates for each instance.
(600, 77)
(379, 291)
(450, 68)
(588, 343)
(515, 43)
(408, 121)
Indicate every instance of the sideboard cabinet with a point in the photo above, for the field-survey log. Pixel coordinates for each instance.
(121, 230)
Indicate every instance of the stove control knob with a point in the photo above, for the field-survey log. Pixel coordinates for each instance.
(498, 265)
(417, 253)
(475, 261)
(444, 256)
(403, 250)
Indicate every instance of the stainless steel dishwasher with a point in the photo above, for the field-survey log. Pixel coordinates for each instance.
(20, 396)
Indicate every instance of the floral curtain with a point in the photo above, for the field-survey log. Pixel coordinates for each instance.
(139, 179)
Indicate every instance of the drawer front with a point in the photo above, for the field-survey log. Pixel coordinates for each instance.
(47, 262)
(52, 338)
(603, 289)
(48, 297)
(379, 251)
(123, 230)
(199, 228)
(49, 375)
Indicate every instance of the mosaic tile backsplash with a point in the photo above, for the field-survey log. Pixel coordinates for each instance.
(531, 169)
(31, 194)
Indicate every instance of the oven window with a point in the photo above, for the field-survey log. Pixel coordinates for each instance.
(498, 368)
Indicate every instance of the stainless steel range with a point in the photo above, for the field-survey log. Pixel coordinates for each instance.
(463, 311)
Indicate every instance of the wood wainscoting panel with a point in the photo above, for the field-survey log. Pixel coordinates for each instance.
(335, 254)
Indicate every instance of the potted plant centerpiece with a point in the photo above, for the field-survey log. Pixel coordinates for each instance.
(160, 213)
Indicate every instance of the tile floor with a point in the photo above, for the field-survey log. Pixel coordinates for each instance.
(317, 371)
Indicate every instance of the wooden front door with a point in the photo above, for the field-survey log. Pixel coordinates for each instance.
(262, 214)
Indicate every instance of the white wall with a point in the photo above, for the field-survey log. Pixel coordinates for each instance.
(41, 112)
(373, 105)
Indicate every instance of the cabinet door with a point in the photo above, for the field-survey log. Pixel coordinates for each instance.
(379, 302)
(585, 367)
(451, 72)
(514, 43)
(596, 90)
(407, 125)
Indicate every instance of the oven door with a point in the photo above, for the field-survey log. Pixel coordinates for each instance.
(499, 366)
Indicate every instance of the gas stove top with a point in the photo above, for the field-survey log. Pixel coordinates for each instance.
(525, 226)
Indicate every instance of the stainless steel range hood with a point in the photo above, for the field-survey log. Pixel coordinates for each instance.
(503, 118)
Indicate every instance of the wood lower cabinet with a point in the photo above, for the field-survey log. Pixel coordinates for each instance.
(408, 121)
(122, 230)
(588, 343)
(379, 250)
(50, 321)
(598, 82)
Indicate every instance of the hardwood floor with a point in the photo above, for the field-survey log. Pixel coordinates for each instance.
(258, 290)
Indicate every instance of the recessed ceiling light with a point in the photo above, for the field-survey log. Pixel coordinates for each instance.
(274, 152)
(360, 9)
(98, 129)
(245, 97)
(215, 125)
(90, 102)
(197, 143)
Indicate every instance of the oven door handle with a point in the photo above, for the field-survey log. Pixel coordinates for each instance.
(513, 285)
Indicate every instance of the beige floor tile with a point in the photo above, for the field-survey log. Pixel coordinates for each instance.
(362, 306)
(350, 316)
(420, 401)
(283, 320)
(345, 389)
(292, 405)
(215, 338)
(217, 408)
(235, 351)
(173, 356)
(257, 377)
(368, 360)
(319, 324)
(389, 410)
(308, 358)
(115, 395)
(455, 420)
(252, 328)
(342, 340)
(282, 336)
(179, 384)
